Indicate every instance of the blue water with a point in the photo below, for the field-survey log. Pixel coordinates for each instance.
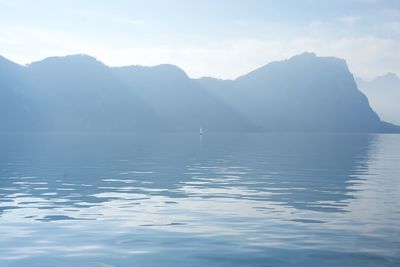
(181, 200)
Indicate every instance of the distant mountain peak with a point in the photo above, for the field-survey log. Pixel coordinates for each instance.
(311, 56)
(388, 76)
(162, 71)
(171, 68)
(73, 57)
(68, 59)
(389, 79)
(391, 74)
(305, 54)
(304, 62)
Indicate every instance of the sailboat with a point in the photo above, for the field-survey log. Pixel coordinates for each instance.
(201, 131)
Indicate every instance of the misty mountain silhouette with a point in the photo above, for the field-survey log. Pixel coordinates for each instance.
(79, 93)
(303, 93)
(383, 93)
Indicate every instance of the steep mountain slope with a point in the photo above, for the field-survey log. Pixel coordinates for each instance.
(384, 96)
(303, 93)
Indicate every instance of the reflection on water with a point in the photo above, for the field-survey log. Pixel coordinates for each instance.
(224, 200)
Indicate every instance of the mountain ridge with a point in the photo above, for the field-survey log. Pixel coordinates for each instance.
(78, 92)
(383, 93)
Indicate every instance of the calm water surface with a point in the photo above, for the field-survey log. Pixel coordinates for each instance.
(178, 200)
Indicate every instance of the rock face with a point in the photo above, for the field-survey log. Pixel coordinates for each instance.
(79, 93)
(384, 96)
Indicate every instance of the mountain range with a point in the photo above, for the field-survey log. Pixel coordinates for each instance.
(383, 93)
(305, 93)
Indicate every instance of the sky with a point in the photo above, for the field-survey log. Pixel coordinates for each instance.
(223, 39)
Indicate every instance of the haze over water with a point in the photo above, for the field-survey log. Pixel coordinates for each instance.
(185, 200)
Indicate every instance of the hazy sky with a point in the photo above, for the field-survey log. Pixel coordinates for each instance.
(223, 38)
